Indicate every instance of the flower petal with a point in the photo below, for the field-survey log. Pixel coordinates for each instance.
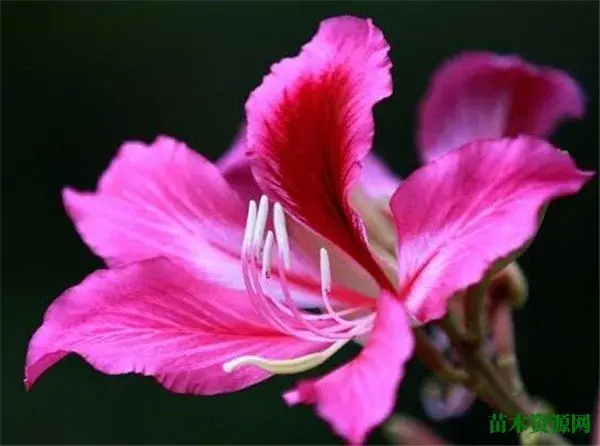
(484, 95)
(162, 199)
(160, 319)
(361, 394)
(459, 215)
(310, 124)
(376, 179)
(167, 200)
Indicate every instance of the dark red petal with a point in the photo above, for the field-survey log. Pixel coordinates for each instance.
(310, 124)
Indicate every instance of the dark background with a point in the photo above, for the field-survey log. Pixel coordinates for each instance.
(80, 78)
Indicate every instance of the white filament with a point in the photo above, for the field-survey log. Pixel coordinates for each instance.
(261, 223)
(281, 235)
(266, 255)
(325, 271)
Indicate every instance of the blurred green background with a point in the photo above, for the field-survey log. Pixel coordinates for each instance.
(80, 78)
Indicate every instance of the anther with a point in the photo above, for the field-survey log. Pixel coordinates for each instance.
(281, 235)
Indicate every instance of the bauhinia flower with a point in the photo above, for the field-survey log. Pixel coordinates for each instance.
(472, 96)
(208, 293)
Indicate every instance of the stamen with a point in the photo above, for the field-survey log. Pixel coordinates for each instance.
(250, 222)
(284, 314)
(327, 333)
(325, 271)
(326, 289)
(266, 258)
(342, 330)
(261, 302)
(281, 235)
(261, 222)
(286, 366)
(265, 304)
(278, 313)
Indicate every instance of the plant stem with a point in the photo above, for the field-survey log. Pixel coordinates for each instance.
(488, 383)
(475, 313)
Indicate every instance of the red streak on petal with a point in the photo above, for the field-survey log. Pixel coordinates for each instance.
(311, 161)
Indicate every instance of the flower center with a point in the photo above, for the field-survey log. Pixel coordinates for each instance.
(260, 265)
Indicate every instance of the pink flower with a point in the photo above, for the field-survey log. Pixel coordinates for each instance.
(472, 96)
(208, 297)
(484, 95)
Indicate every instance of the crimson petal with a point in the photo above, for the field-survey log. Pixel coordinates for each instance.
(310, 124)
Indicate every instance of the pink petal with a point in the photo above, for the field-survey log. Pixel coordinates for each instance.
(459, 215)
(162, 199)
(310, 124)
(159, 319)
(361, 394)
(377, 179)
(166, 199)
(484, 95)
